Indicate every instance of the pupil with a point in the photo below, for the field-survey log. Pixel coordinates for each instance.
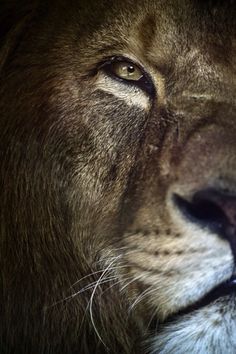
(130, 69)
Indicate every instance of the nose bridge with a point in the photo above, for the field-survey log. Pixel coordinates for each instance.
(212, 144)
(207, 147)
(204, 153)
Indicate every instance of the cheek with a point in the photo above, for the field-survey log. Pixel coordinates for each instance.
(104, 141)
(113, 126)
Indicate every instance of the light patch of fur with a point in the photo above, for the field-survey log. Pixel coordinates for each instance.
(189, 275)
(197, 95)
(210, 330)
(131, 95)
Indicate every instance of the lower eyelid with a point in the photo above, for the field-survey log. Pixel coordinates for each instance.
(132, 95)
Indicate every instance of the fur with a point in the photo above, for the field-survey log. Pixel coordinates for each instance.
(95, 256)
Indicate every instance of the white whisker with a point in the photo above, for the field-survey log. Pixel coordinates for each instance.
(132, 280)
(140, 298)
(92, 297)
(86, 288)
(86, 276)
(116, 283)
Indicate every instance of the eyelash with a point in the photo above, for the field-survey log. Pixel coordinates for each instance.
(145, 83)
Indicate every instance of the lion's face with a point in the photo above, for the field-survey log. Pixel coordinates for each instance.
(118, 164)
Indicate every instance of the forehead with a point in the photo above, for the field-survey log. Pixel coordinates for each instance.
(170, 26)
(189, 43)
(171, 35)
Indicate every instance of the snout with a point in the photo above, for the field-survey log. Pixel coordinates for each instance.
(204, 192)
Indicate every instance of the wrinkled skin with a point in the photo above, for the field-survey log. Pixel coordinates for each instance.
(97, 252)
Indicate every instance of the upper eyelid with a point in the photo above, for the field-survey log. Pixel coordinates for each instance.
(120, 58)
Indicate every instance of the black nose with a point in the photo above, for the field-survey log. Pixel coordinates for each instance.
(213, 209)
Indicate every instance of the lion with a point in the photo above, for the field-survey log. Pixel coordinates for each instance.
(118, 177)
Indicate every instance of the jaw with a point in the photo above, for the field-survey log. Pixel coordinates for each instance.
(210, 329)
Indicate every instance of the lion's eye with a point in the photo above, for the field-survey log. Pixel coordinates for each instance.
(127, 71)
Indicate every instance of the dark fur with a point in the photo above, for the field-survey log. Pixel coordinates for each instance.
(75, 164)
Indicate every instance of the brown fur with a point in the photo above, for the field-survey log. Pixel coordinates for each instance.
(85, 178)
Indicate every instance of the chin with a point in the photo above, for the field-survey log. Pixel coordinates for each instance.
(208, 329)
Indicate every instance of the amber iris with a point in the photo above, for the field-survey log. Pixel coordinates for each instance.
(127, 71)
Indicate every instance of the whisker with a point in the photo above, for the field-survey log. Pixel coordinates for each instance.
(91, 285)
(86, 288)
(150, 321)
(140, 298)
(107, 259)
(116, 283)
(133, 280)
(94, 273)
(90, 304)
(86, 276)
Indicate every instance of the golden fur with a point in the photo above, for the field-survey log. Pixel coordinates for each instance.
(95, 254)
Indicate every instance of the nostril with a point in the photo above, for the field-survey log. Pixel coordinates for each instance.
(225, 202)
(210, 207)
(203, 212)
(213, 209)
